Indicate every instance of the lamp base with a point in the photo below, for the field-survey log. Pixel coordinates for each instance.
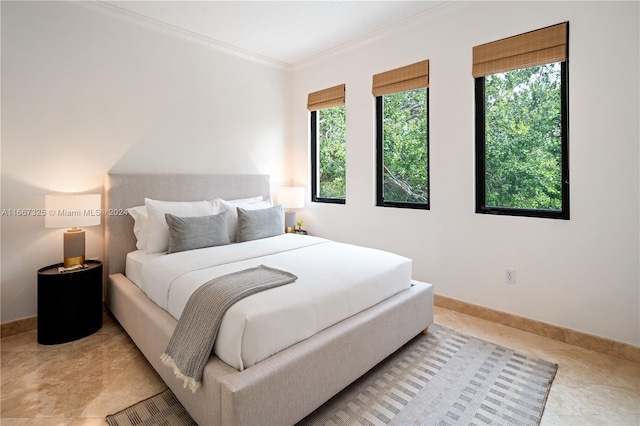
(73, 261)
(289, 221)
(73, 247)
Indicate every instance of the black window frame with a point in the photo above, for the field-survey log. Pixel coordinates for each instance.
(380, 201)
(314, 166)
(480, 154)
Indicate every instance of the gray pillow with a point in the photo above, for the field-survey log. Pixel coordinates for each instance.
(190, 233)
(262, 223)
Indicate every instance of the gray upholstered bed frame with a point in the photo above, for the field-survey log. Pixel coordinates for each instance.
(285, 387)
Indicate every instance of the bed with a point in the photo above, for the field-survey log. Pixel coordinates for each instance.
(283, 387)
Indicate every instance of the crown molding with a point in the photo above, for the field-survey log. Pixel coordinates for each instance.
(155, 25)
(413, 21)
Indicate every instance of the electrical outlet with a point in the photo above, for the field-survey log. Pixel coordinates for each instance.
(510, 276)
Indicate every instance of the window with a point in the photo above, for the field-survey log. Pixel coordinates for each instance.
(522, 125)
(328, 146)
(402, 136)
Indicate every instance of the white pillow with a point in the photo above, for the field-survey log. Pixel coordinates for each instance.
(254, 203)
(140, 225)
(218, 207)
(158, 231)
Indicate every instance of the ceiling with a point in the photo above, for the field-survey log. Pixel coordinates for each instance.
(284, 32)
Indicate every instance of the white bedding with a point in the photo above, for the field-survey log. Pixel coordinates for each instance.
(135, 262)
(335, 281)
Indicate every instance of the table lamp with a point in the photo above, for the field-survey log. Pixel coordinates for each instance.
(72, 211)
(291, 198)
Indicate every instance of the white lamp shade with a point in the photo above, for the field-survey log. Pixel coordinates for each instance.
(291, 197)
(72, 210)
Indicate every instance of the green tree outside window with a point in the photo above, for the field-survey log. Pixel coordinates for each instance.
(523, 139)
(331, 153)
(405, 147)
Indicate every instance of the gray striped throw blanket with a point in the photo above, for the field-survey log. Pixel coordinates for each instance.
(192, 341)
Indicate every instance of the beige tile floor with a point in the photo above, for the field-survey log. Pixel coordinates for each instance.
(78, 383)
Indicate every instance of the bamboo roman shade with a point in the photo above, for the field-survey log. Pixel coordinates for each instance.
(327, 98)
(534, 48)
(414, 76)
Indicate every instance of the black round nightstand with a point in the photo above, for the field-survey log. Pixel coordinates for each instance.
(69, 303)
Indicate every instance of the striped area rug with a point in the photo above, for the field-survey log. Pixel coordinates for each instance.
(442, 378)
(161, 409)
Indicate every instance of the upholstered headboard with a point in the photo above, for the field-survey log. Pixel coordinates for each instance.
(129, 190)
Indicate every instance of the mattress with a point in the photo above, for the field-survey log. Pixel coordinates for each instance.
(335, 281)
(135, 263)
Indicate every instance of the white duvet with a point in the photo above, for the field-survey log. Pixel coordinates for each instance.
(335, 281)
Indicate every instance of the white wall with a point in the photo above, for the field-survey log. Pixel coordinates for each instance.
(84, 93)
(582, 274)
